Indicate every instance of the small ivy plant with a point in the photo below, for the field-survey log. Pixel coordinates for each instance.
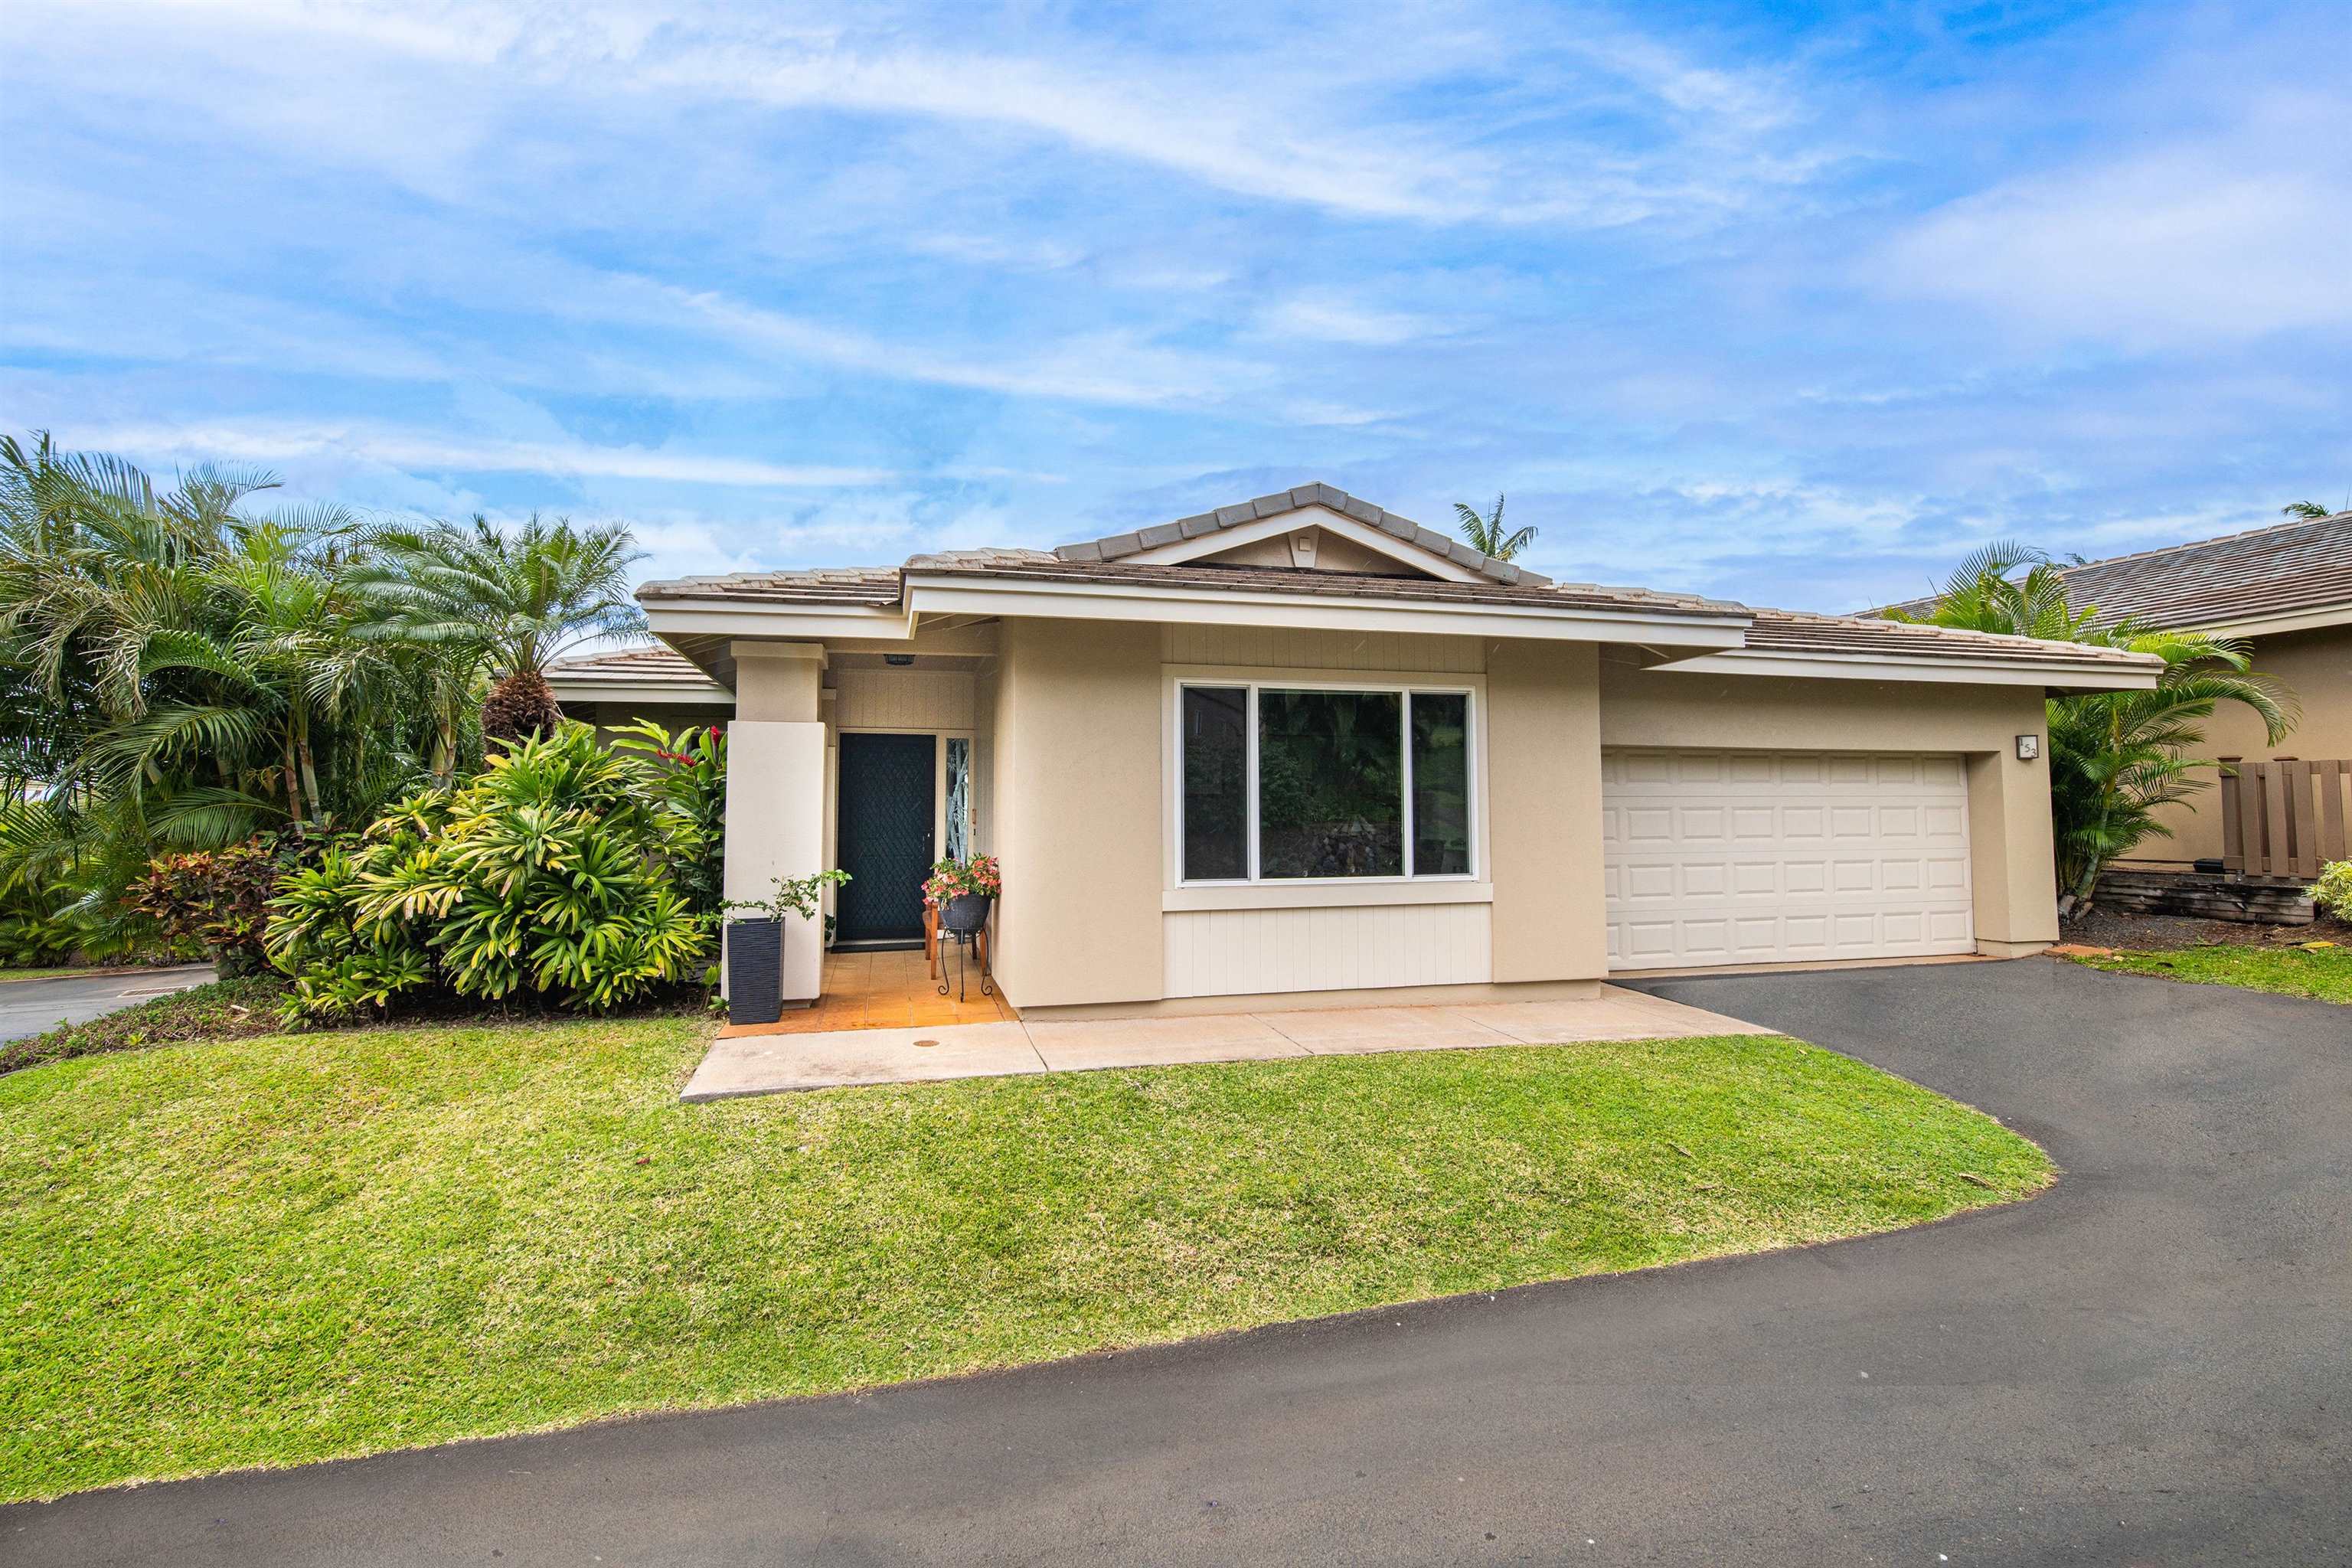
(795, 896)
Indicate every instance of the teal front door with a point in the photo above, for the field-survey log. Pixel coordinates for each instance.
(886, 818)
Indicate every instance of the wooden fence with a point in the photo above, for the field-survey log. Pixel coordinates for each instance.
(2283, 817)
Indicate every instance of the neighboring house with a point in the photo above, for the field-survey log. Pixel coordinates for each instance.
(2287, 590)
(1300, 750)
(624, 685)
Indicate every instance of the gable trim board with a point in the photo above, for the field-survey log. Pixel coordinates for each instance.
(1319, 518)
(1321, 498)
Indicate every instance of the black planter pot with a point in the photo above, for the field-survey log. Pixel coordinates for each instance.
(965, 913)
(755, 970)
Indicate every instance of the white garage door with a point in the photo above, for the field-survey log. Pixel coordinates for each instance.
(1778, 857)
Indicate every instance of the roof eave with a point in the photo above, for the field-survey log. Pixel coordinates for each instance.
(671, 618)
(2317, 618)
(677, 692)
(1092, 599)
(2049, 674)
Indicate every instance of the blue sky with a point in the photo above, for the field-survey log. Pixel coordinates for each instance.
(1791, 303)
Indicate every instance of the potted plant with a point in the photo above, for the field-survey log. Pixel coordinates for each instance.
(962, 891)
(755, 945)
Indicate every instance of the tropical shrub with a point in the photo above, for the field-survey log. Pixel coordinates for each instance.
(2332, 891)
(694, 782)
(38, 927)
(554, 874)
(215, 901)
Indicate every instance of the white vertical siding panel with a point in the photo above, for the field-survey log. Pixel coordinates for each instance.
(1233, 953)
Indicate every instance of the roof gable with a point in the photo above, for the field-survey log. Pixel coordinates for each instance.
(1326, 507)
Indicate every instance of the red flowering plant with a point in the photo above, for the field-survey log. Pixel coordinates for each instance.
(956, 879)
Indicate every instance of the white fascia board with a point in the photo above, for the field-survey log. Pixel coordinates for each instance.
(1403, 552)
(1134, 602)
(769, 618)
(2271, 626)
(2072, 676)
(593, 690)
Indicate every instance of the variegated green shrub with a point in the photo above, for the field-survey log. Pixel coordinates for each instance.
(554, 872)
(2332, 891)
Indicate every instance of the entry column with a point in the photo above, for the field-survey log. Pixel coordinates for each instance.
(775, 791)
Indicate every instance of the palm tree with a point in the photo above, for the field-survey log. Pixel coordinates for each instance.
(1484, 533)
(504, 603)
(2117, 756)
(196, 664)
(2308, 510)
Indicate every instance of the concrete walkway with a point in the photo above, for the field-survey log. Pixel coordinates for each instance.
(769, 1064)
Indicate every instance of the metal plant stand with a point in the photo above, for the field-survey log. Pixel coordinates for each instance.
(964, 921)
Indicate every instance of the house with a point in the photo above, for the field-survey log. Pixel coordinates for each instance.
(1300, 750)
(2287, 591)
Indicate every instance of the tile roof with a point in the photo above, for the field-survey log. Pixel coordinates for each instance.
(1796, 631)
(823, 585)
(2285, 569)
(1782, 631)
(655, 666)
(1207, 522)
(1770, 631)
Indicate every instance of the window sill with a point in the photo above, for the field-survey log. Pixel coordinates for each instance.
(1325, 895)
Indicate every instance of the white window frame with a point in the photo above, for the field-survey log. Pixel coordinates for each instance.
(1253, 684)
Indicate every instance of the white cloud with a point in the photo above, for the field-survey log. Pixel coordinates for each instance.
(273, 442)
(2234, 236)
(1231, 110)
(998, 250)
(1331, 319)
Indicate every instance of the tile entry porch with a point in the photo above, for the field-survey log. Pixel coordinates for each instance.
(885, 989)
(772, 1058)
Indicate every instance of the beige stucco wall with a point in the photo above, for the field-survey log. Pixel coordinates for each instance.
(2009, 801)
(2315, 668)
(1076, 812)
(1072, 728)
(1543, 795)
(1300, 648)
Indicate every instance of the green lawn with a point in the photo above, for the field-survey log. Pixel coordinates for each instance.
(2325, 972)
(273, 1250)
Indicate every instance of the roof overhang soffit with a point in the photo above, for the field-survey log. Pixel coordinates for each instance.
(930, 595)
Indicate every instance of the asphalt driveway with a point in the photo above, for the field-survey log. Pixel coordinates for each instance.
(37, 1006)
(2151, 1364)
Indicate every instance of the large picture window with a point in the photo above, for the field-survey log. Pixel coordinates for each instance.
(1284, 784)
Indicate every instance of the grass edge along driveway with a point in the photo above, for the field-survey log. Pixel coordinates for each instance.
(2323, 973)
(271, 1251)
